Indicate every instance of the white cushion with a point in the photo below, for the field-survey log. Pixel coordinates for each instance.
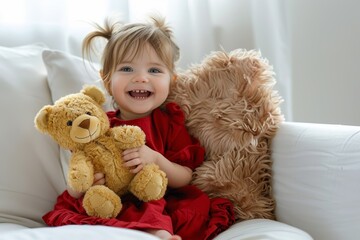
(30, 172)
(76, 232)
(68, 74)
(262, 229)
(316, 176)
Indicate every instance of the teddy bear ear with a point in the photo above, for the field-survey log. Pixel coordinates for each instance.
(42, 118)
(95, 93)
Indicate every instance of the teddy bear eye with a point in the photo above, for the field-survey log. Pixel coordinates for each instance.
(88, 113)
(69, 123)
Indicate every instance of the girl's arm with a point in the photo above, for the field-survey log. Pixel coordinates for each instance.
(178, 175)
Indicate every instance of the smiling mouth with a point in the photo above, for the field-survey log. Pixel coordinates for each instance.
(140, 94)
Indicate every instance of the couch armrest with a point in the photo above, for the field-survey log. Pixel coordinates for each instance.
(316, 178)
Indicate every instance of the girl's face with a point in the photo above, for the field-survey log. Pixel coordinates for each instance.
(140, 85)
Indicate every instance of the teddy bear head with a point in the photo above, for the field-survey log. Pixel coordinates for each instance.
(228, 100)
(75, 119)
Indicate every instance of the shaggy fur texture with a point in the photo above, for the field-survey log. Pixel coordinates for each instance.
(231, 107)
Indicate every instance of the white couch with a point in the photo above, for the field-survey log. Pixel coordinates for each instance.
(316, 170)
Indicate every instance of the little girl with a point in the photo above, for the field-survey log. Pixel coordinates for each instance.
(138, 67)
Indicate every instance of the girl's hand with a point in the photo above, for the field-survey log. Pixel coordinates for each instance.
(99, 179)
(137, 158)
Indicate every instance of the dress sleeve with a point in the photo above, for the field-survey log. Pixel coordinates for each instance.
(181, 147)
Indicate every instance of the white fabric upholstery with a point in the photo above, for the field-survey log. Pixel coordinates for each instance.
(316, 167)
(68, 73)
(75, 232)
(30, 172)
(316, 178)
(262, 229)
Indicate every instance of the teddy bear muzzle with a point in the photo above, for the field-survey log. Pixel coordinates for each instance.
(85, 128)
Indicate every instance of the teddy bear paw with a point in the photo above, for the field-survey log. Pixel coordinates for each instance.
(100, 201)
(79, 182)
(128, 136)
(149, 184)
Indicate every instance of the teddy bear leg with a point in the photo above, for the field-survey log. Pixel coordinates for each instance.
(149, 184)
(100, 201)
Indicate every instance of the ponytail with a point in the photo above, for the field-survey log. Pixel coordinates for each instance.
(106, 32)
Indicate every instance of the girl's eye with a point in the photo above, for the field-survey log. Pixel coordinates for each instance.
(126, 69)
(154, 70)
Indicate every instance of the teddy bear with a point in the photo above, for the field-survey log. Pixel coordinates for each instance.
(232, 108)
(78, 123)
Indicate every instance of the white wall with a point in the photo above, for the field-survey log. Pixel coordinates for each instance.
(325, 55)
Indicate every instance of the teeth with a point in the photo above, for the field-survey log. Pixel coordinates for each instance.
(140, 94)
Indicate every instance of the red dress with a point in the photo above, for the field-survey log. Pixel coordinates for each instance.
(185, 211)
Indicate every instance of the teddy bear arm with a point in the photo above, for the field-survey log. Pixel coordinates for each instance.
(128, 136)
(149, 184)
(81, 172)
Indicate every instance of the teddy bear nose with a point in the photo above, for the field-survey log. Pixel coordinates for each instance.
(85, 124)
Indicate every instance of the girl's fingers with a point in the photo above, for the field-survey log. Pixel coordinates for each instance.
(98, 176)
(99, 179)
(100, 182)
(134, 165)
(137, 168)
(131, 156)
(130, 150)
(132, 162)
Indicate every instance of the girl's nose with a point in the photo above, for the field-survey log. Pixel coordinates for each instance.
(141, 77)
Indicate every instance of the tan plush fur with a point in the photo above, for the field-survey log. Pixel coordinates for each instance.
(78, 123)
(231, 107)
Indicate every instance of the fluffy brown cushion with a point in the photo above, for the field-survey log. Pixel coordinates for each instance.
(231, 107)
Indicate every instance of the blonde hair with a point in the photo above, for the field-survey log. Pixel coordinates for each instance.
(125, 40)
